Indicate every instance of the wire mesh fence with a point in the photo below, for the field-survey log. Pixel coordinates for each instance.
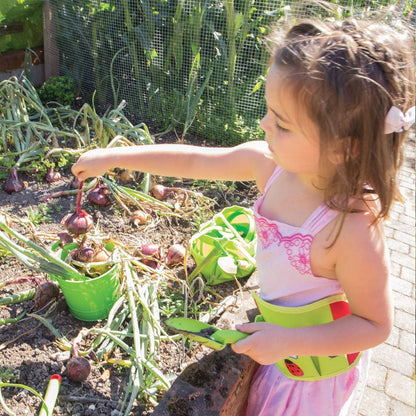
(194, 67)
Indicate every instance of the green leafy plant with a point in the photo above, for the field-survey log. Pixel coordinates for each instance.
(39, 215)
(58, 89)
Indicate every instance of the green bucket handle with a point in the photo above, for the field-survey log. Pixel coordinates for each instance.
(229, 237)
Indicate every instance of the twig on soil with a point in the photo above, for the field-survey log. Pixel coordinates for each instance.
(6, 344)
(82, 399)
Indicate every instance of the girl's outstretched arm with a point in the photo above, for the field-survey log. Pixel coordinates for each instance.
(243, 162)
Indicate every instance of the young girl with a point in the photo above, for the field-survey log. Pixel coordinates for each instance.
(338, 97)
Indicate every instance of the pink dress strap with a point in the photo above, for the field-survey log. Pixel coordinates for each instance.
(321, 217)
(278, 170)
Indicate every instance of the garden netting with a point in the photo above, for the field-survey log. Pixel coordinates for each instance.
(192, 67)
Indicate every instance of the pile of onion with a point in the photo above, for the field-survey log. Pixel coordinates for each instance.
(95, 253)
(150, 254)
(80, 222)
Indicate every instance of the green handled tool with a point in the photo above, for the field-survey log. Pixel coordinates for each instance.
(205, 334)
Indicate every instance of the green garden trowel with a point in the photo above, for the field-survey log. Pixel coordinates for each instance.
(205, 334)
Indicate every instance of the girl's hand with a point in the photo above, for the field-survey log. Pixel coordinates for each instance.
(267, 343)
(92, 163)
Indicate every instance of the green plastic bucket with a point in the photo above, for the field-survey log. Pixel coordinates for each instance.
(92, 299)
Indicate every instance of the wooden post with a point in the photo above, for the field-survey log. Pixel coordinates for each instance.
(51, 50)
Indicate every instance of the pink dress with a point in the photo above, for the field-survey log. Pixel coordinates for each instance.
(286, 279)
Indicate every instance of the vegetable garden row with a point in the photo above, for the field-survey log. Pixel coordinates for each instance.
(131, 280)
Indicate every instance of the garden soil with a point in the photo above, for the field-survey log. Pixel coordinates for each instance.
(29, 354)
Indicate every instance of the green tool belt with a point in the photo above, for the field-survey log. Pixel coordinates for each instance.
(309, 368)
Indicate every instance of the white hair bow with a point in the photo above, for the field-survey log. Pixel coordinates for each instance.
(396, 121)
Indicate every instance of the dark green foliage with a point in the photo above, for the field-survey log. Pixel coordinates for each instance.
(58, 89)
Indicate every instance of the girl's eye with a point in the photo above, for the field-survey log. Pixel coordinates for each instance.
(282, 129)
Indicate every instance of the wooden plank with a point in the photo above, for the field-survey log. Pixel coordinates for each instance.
(9, 28)
(15, 59)
(51, 50)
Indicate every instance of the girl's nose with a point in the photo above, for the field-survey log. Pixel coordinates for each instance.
(263, 123)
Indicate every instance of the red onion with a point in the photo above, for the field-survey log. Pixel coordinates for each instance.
(99, 195)
(13, 183)
(160, 192)
(80, 222)
(87, 254)
(44, 294)
(83, 254)
(139, 217)
(78, 368)
(176, 254)
(150, 254)
(52, 175)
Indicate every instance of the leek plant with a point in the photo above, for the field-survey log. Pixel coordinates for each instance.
(187, 105)
(134, 53)
(237, 30)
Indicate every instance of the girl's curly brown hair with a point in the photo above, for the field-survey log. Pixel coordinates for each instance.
(348, 74)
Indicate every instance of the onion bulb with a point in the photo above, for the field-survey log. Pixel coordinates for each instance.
(160, 192)
(80, 222)
(150, 254)
(99, 195)
(52, 175)
(176, 254)
(139, 217)
(83, 254)
(45, 292)
(101, 255)
(13, 183)
(78, 368)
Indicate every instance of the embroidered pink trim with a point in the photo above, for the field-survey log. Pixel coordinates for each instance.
(297, 246)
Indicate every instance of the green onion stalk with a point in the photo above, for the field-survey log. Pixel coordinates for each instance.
(132, 196)
(34, 256)
(18, 297)
(145, 320)
(20, 386)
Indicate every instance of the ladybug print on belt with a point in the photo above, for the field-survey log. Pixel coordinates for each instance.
(293, 368)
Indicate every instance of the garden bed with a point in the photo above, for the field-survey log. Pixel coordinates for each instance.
(29, 354)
